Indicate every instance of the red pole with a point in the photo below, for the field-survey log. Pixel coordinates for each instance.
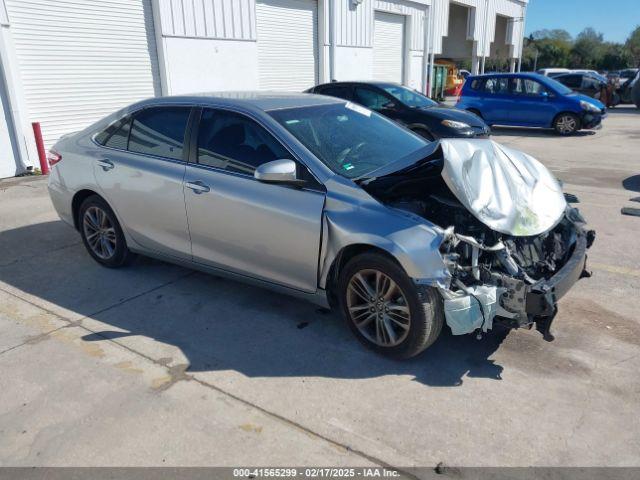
(37, 133)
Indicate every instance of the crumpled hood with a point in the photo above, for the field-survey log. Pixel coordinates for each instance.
(507, 190)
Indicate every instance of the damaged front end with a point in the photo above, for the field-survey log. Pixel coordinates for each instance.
(511, 243)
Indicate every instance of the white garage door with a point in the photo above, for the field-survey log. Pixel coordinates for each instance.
(388, 47)
(81, 60)
(287, 44)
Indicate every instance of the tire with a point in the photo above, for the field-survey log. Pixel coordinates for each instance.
(419, 309)
(424, 133)
(102, 235)
(566, 123)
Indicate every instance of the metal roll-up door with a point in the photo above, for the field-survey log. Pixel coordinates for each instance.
(287, 36)
(80, 60)
(388, 47)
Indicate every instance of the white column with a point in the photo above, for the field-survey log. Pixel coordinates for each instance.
(512, 65)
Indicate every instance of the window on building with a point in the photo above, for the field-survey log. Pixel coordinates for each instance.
(159, 131)
(233, 142)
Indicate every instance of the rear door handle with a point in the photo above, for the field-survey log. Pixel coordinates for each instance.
(198, 187)
(106, 164)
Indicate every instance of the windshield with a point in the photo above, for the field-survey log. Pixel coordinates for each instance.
(409, 97)
(558, 87)
(351, 140)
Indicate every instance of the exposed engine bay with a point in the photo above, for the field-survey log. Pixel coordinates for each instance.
(511, 243)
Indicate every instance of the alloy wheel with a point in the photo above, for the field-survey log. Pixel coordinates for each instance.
(99, 232)
(566, 124)
(378, 308)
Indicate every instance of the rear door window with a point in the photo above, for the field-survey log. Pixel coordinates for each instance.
(496, 85)
(160, 131)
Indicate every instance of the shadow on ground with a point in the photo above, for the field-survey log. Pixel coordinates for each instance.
(632, 183)
(220, 324)
(535, 132)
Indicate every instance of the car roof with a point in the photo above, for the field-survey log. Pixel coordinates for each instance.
(531, 75)
(264, 101)
(373, 83)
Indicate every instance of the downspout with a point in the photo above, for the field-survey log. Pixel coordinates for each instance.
(432, 44)
(332, 40)
(524, 19)
(484, 36)
(14, 122)
(425, 53)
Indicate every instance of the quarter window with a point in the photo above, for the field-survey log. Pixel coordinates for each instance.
(116, 134)
(233, 142)
(159, 131)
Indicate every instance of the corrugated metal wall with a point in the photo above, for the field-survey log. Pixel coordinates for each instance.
(223, 19)
(235, 19)
(80, 60)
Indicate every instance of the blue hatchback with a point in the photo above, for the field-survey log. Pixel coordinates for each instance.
(529, 100)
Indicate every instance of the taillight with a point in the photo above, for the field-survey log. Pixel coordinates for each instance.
(53, 158)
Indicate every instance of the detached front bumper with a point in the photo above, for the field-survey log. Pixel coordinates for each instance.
(591, 120)
(542, 297)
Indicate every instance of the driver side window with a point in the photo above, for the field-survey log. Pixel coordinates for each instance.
(233, 142)
(370, 98)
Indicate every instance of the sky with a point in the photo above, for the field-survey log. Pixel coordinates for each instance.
(613, 18)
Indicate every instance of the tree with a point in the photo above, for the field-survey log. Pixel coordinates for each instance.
(633, 46)
(588, 48)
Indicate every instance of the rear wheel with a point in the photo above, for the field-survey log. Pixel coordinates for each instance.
(384, 308)
(566, 123)
(101, 233)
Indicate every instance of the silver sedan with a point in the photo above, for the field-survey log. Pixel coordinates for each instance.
(325, 200)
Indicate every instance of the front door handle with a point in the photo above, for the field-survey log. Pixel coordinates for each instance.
(198, 187)
(106, 164)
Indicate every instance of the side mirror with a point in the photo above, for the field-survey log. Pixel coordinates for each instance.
(278, 171)
(544, 95)
(390, 106)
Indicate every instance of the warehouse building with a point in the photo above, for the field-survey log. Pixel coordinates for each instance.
(67, 63)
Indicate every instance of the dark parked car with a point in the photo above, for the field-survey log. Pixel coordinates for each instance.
(584, 83)
(415, 111)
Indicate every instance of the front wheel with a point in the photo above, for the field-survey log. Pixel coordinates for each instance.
(566, 124)
(385, 310)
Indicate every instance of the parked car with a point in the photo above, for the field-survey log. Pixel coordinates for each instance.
(551, 71)
(331, 202)
(627, 74)
(415, 111)
(530, 100)
(585, 83)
